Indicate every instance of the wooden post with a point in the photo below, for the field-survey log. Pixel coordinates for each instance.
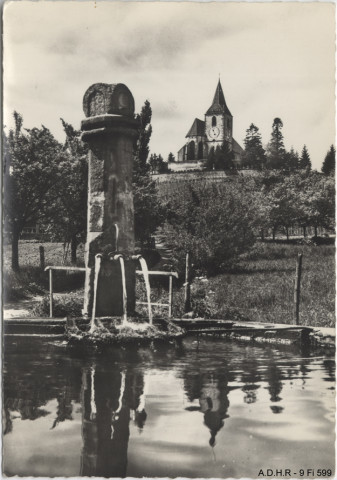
(187, 300)
(297, 291)
(51, 293)
(41, 250)
(170, 297)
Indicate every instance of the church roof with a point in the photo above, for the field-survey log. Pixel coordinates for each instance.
(219, 103)
(197, 129)
(236, 147)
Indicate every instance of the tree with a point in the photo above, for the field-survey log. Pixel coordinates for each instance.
(157, 164)
(141, 147)
(32, 173)
(318, 199)
(148, 210)
(210, 161)
(276, 150)
(329, 164)
(224, 157)
(66, 217)
(220, 158)
(285, 207)
(254, 155)
(291, 161)
(299, 199)
(153, 162)
(215, 222)
(171, 158)
(305, 163)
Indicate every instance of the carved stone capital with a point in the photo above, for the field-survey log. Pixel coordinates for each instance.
(102, 98)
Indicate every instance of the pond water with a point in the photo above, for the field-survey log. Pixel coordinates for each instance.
(211, 408)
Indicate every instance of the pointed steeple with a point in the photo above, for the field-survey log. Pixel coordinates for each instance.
(219, 102)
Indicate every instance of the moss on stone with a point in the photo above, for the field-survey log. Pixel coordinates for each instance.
(117, 333)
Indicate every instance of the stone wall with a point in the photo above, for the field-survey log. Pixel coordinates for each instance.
(169, 184)
(190, 176)
(174, 183)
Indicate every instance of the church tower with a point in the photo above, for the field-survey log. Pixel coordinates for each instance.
(218, 121)
(213, 132)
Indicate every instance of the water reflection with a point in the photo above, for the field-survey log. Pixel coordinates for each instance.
(212, 393)
(28, 386)
(111, 400)
(274, 379)
(64, 407)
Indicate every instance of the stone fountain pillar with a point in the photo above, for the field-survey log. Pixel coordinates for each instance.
(109, 129)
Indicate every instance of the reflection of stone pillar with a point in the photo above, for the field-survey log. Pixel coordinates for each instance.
(89, 428)
(107, 397)
(109, 129)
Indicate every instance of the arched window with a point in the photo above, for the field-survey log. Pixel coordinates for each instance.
(213, 121)
(185, 153)
(200, 151)
(191, 151)
(228, 124)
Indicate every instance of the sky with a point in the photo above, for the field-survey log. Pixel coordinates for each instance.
(274, 60)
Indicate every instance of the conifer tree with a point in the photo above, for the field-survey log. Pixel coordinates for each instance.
(305, 163)
(276, 150)
(210, 161)
(224, 157)
(147, 209)
(291, 161)
(157, 164)
(328, 167)
(141, 147)
(254, 155)
(171, 158)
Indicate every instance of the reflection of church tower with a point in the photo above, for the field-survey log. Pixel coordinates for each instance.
(107, 398)
(214, 404)
(212, 394)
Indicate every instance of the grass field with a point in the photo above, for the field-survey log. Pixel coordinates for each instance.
(29, 254)
(31, 280)
(261, 288)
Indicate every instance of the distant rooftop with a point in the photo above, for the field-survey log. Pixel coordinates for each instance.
(197, 129)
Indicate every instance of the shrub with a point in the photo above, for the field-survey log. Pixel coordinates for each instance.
(65, 305)
(215, 222)
(34, 281)
(207, 301)
(20, 284)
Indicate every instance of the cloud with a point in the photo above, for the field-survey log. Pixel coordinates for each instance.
(128, 36)
(166, 110)
(68, 44)
(171, 53)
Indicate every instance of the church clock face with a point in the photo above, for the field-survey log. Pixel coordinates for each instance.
(214, 132)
